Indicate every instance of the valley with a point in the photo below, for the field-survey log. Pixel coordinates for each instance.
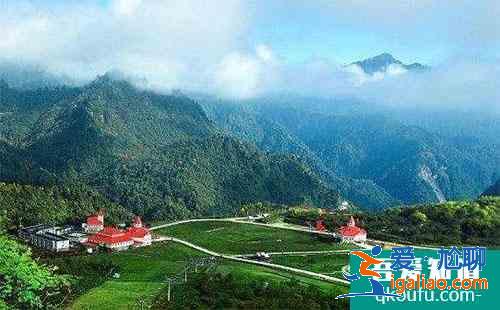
(141, 274)
(245, 155)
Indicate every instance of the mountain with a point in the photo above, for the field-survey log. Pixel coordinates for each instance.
(382, 62)
(247, 123)
(493, 190)
(370, 158)
(156, 155)
(30, 76)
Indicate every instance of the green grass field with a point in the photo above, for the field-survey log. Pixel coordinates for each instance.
(142, 275)
(250, 272)
(143, 271)
(329, 264)
(240, 238)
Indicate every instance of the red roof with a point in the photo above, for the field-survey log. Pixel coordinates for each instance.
(320, 226)
(94, 221)
(135, 232)
(351, 231)
(110, 235)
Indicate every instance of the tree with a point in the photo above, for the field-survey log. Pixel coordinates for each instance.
(24, 283)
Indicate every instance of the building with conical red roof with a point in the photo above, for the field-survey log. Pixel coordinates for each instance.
(118, 239)
(352, 233)
(94, 223)
(112, 238)
(139, 234)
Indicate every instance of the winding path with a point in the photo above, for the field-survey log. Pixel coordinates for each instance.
(253, 262)
(244, 220)
(243, 257)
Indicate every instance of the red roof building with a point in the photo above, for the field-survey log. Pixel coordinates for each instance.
(320, 225)
(118, 239)
(112, 238)
(351, 232)
(94, 223)
(139, 234)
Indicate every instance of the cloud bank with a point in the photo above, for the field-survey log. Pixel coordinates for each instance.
(202, 47)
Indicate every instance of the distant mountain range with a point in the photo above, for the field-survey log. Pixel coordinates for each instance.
(372, 158)
(382, 62)
(157, 155)
(166, 156)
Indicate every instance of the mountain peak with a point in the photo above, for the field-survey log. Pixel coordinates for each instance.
(385, 57)
(381, 62)
(110, 85)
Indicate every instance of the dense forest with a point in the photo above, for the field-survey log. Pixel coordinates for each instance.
(25, 205)
(474, 222)
(373, 157)
(158, 156)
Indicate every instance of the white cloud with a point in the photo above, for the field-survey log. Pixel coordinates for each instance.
(395, 69)
(264, 53)
(243, 76)
(170, 43)
(126, 7)
(238, 76)
(198, 46)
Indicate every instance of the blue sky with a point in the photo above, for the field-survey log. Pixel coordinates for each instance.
(413, 31)
(247, 48)
(299, 32)
(424, 31)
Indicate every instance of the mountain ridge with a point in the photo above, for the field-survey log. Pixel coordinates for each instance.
(382, 62)
(403, 163)
(157, 155)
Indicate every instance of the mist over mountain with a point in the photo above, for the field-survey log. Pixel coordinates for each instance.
(434, 153)
(375, 158)
(384, 62)
(25, 76)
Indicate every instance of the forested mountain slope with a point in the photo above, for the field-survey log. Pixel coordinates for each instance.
(157, 155)
(379, 160)
(493, 190)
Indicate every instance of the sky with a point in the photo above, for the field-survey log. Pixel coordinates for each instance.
(244, 49)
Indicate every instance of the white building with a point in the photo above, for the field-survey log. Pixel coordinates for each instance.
(45, 237)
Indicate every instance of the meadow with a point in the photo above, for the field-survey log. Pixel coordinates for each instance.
(143, 273)
(241, 238)
(329, 264)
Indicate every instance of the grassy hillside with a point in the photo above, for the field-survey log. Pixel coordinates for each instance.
(142, 275)
(330, 264)
(143, 271)
(252, 288)
(239, 238)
